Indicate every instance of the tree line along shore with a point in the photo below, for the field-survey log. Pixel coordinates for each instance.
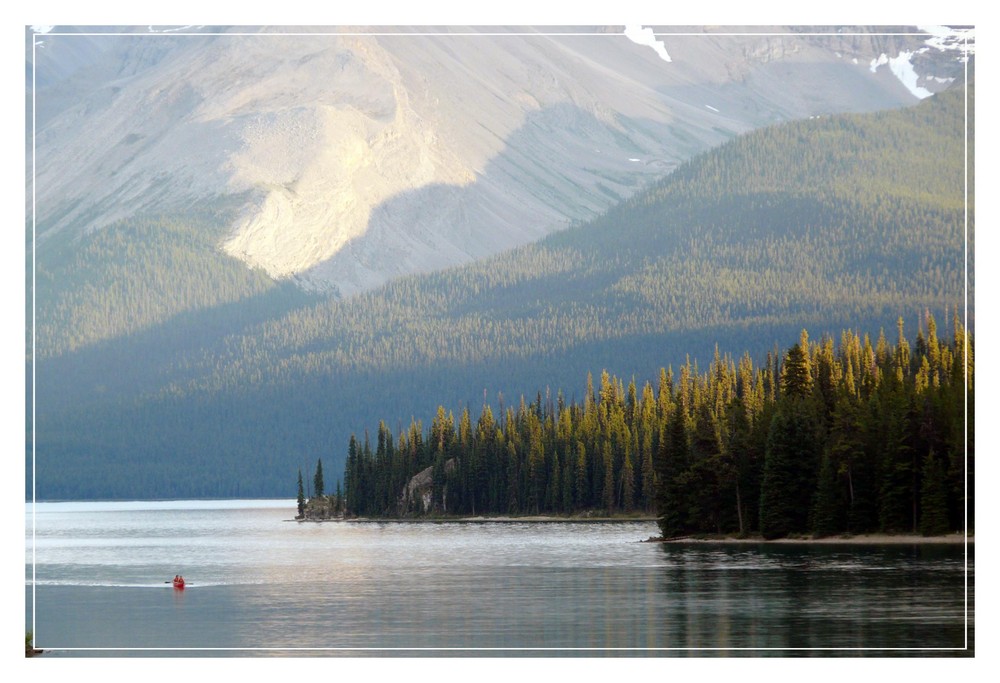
(851, 439)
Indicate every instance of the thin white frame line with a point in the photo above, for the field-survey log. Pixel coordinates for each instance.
(345, 33)
(34, 384)
(966, 52)
(476, 34)
(965, 334)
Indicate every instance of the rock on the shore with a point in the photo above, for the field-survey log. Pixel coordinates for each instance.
(418, 494)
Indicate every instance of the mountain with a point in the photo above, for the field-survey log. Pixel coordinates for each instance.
(845, 221)
(343, 159)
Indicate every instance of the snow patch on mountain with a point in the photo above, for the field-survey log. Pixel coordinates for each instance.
(645, 36)
(904, 71)
(946, 38)
(879, 61)
(903, 68)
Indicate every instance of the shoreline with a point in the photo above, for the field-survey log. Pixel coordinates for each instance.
(531, 519)
(842, 539)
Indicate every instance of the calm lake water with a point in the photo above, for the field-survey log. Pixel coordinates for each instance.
(96, 573)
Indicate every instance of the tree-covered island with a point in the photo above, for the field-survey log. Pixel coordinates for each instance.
(827, 438)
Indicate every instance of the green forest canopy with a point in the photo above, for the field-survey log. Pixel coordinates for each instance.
(864, 436)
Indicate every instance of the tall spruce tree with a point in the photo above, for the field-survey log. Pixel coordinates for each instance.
(672, 502)
(790, 467)
(789, 475)
(301, 499)
(318, 480)
(796, 378)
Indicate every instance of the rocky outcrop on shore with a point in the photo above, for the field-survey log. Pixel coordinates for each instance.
(320, 509)
(418, 494)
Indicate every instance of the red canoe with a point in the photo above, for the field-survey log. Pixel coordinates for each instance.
(179, 582)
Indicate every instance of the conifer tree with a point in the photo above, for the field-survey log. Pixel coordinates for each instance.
(788, 479)
(583, 499)
(709, 473)
(301, 498)
(897, 473)
(628, 484)
(781, 509)
(828, 511)
(672, 491)
(318, 480)
(796, 379)
(933, 498)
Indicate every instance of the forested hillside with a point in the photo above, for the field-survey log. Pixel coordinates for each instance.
(844, 222)
(133, 276)
(868, 435)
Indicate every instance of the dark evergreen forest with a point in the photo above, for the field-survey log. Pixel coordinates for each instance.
(823, 439)
(166, 369)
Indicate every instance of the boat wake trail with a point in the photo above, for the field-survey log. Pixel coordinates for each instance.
(122, 584)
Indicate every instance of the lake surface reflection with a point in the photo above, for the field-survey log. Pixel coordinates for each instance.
(258, 584)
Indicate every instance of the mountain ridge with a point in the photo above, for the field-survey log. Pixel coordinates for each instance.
(324, 141)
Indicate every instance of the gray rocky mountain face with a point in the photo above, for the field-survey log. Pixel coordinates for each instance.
(354, 157)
